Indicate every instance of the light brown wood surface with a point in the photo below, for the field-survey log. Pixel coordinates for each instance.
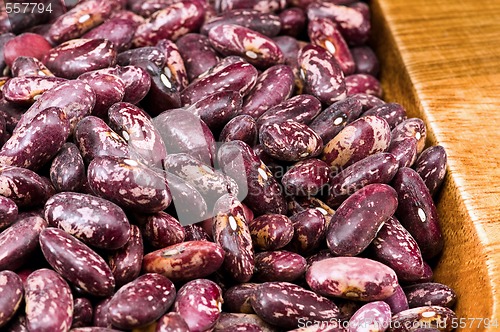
(441, 60)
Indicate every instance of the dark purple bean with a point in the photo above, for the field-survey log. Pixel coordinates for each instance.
(242, 128)
(366, 60)
(309, 230)
(377, 168)
(152, 291)
(359, 139)
(293, 21)
(171, 22)
(67, 171)
(301, 108)
(172, 322)
(290, 48)
(397, 301)
(197, 53)
(404, 150)
(230, 231)
(279, 265)
(12, 290)
(24, 187)
(286, 305)
(137, 83)
(434, 317)
(367, 101)
(126, 262)
(174, 64)
(363, 83)
(306, 178)
(264, 23)
(117, 30)
(49, 303)
(417, 212)
(161, 229)
(430, 293)
(8, 212)
(393, 113)
(271, 231)
(4, 38)
(82, 312)
(185, 261)
(11, 113)
(354, 278)
(431, 166)
(101, 317)
(412, 127)
(238, 298)
(322, 75)
(140, 55)
(374, 315)
(78, 56)
(199, 317)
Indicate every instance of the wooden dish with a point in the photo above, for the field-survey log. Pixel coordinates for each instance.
(441, 60)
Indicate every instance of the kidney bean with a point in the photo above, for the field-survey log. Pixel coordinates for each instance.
(396, 248)
(285, 305)
(196, 233)
(171, 322)
(223, 63)
(306, 178)
(26, 89)
(11, 113)
(137, 83)
(300, 203)
(363, 83)
(271, 231)
(184, 132)
(197, 53)
(397, 301)
(356, 278)
(49, 303)
(279, 265)
(242, 127)
(8, 212)
(377, 168)
(16, 47)
(367, 101)
(12, 290)
(93, 329)
(293, 21)
(140, 55)
(23, 186)
(374, 315)
(19, 241)
(125, 262)
(393, 113)
(101, 316)
(429, 294)
(264, 23)
(171, 22)
(256, 185)
(174, 64)
(404, 150)
(301, 108)
(190, 210)
(29, 66)
(417, 212)
(231, 320)
(290, 141)
(238, 298)
(4, 38)
(187, 304)
(78, 56)
(412, 127)
(231, 232)
(91, 219)
(161, 229)
(117, 30)
(185, 261)
(82, 313)
(75, 98)
(152, 291)
(354, 26)
(359, 139)
(290, 48)
(431, 166)
(429, 316)
(321, 74)
(239, 76)
(309, 230)
(365, 60)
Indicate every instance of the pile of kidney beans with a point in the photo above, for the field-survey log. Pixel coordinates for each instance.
(220, 165)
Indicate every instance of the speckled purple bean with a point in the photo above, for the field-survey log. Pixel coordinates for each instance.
(137, 83)
(306, 178)
(285, 305)
(4, 38)
(238, 298)
(220, 65)
(101, 317)
(161, 229)
(239, 76)
(91, 219)
(242, 127)
(363, 83)
(366, 60)
(300, 203)
(78, 56)
(83, 17)
(136, 127)
(49, 302)
(257, 186)
(412, 127)
(367, 101)
(48, 131)
(355, 278)
(199, 302)
(20, 240)
(67, 171)
(264, 23)
(66, 254)
(325, 33)
(309, 230)
(126, 262)
(197, 53)
(271, 231)
(184, 132)
(354, 26)
(171, 22)
(196, 233)
(396, 248)
(185, 261)
(357, 220)
(171, 322)
(152, 291)
(8, 212)
(393, 113)
(434, 317)
(230, 231)
(12, 290)
(279, 265)
(260, 5)
(293, 21)
(27, 89)
(321, 74)
(404, 150)
(82, 313)
(218, 108)
(431, 166)
(244, 327)
(301, 108)
(374, 316)
(273, 87)
(93, 329)
(190, 210)
(229, 320)
(377, 168)
(117, 30)
(142, 54)
(23, 186)
(417, 212)
(148, 7)
(397, 301)
(359, 139)
(174, 64)
(430, 293)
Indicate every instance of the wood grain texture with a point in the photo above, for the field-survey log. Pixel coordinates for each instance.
(441, 60)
